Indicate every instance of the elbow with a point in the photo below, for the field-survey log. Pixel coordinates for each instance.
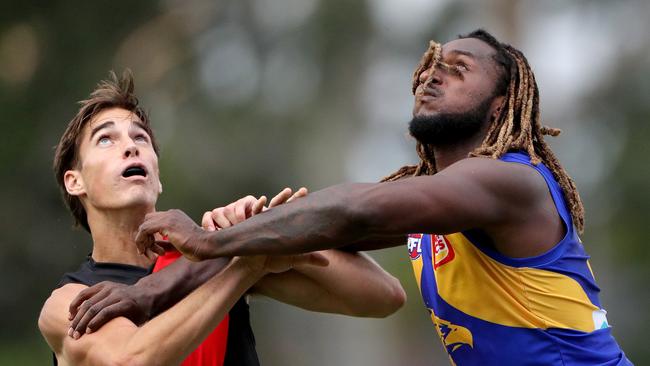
(394, 300)
(387, 302)
(398, 297)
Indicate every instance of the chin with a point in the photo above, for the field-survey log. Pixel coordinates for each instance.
(425, 113)
(136, 201)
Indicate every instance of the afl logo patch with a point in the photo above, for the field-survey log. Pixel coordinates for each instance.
(442, 249)
(414, 246)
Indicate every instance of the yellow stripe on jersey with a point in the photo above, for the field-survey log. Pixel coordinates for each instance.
(482, 287)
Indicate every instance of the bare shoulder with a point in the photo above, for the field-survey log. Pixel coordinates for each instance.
(91, 349)
(509, 180)
(53, 320)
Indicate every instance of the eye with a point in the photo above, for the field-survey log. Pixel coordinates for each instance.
(461, 67)
(141, 138)
(104, 140)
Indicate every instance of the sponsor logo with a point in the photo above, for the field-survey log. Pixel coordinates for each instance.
(414, 246)
(443, 252)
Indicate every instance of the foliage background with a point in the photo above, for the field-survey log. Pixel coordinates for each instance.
(250, 96)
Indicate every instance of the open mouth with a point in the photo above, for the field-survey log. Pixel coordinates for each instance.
(134, 171)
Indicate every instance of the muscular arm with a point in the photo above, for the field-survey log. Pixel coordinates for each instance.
(166, 339)
(178, 279)
(353, 284)
(151, 295)
(473, 193)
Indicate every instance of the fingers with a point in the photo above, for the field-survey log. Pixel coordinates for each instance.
(87, 312)
(207, 223)
(145, 237)
(302, 192)
(106, 314)
(234, 213)
(220, 219)
(243, 208)
(164, 245)
(286, 196)
(281, 197)
(258, 206)
(157, 248)
(81, 297)
(229, 213)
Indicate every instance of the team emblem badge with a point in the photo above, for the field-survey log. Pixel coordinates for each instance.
(442, 250)
(414, 246)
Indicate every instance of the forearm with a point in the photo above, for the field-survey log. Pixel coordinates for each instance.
(169, 337)
(174, 282)
(374, 243)
(323, 220)
(353, 284)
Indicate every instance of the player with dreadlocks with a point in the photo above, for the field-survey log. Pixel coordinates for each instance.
(517, 127)
(490, 217)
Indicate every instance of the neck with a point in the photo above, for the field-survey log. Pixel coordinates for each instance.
(447, 155)
(113, 233)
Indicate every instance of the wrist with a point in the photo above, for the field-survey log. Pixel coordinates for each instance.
(251, 267)
(146, 296)
(201, 240)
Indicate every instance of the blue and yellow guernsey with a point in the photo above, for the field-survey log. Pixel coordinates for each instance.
(489, 309)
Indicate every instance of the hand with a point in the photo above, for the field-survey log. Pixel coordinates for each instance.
(96, 305)
(244, 208)
(177, 228)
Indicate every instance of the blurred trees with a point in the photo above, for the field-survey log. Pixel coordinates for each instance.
(250, 96)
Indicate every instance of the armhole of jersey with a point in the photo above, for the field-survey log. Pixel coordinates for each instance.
(481, 241)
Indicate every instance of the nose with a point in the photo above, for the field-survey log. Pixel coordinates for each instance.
(131, 150)
(430, 75)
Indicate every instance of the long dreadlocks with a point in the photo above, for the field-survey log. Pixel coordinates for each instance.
(517, 126)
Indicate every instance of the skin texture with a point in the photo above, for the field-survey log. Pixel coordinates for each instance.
(116, 205)
(352, 285)
(510, 203)
(96, 305)
(168, 338)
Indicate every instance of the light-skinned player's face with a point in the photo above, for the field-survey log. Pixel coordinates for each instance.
(118, 166)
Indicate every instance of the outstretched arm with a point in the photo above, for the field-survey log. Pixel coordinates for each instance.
(169, 337)
(473, 193)
(352, 284)
(95, 306)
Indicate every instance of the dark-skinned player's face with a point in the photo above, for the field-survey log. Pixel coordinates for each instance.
(456, 105)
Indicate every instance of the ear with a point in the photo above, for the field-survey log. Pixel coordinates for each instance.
(74, 183)
(160, 190)
(496, 106)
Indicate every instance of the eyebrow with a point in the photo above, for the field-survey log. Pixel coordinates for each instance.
(140, 125)
(464, 53)
(107, 124)
(100, 127)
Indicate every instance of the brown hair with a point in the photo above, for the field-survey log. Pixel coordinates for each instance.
(517, 127)
(110, 93)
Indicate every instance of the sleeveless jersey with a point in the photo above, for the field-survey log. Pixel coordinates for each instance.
(212, 351)
(231, 343)
(489, 309)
